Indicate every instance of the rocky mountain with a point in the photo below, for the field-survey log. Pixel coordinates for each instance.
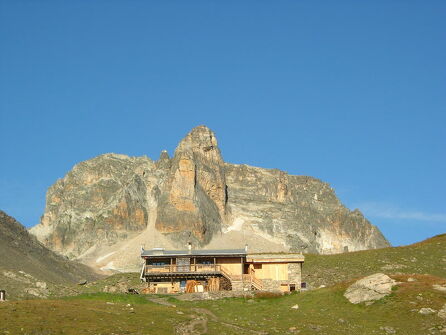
(27, 268)
(105, 208)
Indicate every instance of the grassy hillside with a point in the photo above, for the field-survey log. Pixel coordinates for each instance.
(323, 311)
(28, 269)
(427, 257)
(320, 311)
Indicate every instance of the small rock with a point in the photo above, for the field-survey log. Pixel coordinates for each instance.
(388, 330)
(322, 286)
(41, 285)
(410, 279)
(110, 303)
(442, 313)
(341, 320)
(296, 306)
(180, 312)
(426, 311)
(441, 288)
(128, 305)
(82, 282)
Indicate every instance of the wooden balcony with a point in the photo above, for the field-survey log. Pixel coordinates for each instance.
(157, 270)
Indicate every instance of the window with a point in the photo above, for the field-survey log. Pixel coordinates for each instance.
(205, 262)
(257, 266)
(159, 263)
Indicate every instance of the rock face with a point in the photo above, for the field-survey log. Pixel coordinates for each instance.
(104, 199)
(301, 212)
(195, 196)
(370, 288)
(193, 202)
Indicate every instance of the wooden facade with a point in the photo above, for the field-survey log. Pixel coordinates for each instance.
(171, 271)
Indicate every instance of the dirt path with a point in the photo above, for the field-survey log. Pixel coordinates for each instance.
(199, 324)
(161, 301)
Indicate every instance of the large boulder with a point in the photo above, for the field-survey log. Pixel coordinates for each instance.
(370, 289)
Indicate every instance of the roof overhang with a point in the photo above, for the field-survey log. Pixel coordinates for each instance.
(159, 253)
(275, 258)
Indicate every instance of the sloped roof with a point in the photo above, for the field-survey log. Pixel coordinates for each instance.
(215, 252)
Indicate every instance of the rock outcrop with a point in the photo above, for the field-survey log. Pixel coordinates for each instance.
(370, 288)
(111, 203)
(193, 202)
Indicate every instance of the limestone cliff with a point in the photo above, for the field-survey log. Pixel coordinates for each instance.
(111, 203)
(193, 202)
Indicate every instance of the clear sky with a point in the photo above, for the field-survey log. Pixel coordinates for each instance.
(351, 92)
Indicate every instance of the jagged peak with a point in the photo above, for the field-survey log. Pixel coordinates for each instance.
(164, 155)
(199, 139)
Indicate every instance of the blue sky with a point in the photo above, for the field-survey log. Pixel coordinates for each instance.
(351, 92)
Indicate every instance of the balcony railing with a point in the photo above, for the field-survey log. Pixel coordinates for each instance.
(192, 268)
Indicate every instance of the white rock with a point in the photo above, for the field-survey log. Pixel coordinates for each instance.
(426, 311)
(41, 285)
(296, 306)
(442, 313)
(410, 279)
(441, 288)
(388, 330)
(370, 288)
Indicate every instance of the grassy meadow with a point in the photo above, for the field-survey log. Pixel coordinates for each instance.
(320, 311)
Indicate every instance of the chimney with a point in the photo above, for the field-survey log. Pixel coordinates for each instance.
(189, 246)
(246, 247)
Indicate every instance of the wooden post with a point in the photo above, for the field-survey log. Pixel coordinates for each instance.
(171, 265)
(215, 264)
(243, 284)
(195, 264)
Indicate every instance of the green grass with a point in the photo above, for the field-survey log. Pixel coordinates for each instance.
(111, 297)
(326, 311)
(427, 257)
(321, 311)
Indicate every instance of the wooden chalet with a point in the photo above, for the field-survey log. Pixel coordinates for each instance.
(171, 271)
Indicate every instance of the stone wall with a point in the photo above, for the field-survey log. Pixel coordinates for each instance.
(294, 277)
(295, 274)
